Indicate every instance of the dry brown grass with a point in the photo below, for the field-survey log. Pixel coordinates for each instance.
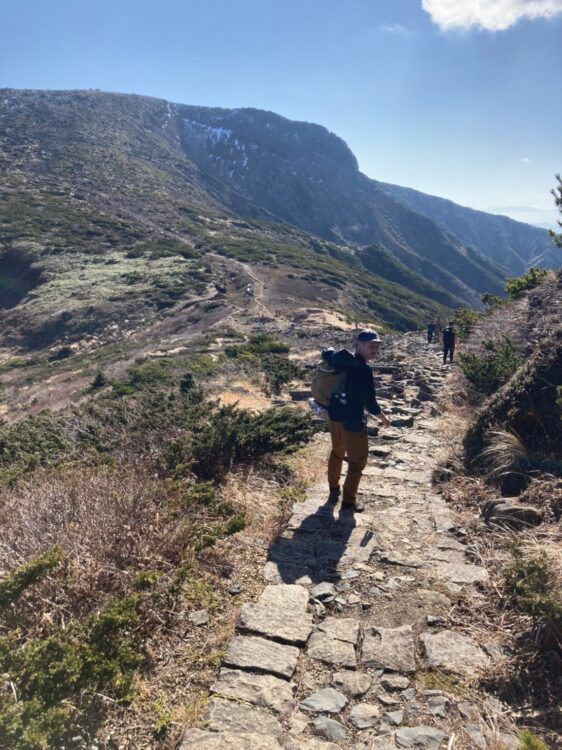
(109, 523)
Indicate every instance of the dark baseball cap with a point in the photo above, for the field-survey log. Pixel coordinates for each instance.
(367, 334)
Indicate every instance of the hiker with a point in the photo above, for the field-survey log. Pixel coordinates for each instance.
(449, 339)
(431, 331)
(346, 412)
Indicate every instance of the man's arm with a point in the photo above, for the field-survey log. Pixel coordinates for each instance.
(370, 398)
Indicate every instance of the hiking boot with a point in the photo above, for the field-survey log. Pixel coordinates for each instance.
(355, 507)
(334, 495)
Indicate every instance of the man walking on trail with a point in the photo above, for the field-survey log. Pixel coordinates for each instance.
(347, 421)
(449, 338)
(430, 332)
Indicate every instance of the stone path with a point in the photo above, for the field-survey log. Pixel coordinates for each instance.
(354, 612)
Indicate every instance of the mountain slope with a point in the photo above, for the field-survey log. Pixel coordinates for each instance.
(308, 177)
(513, 244)
(117, 207)
(115, 228)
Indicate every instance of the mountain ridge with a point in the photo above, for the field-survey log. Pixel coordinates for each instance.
(118, 188)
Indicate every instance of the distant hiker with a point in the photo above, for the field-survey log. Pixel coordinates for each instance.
(438, 329)
(431, 331)
(354, 393)
(449, 340)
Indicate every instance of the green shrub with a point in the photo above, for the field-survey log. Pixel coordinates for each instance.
(530, 742)
(144, 376)
(488, 373)
(492, 302)
(99, 381)
(234, 524)
(234, 435)
(464, 321)
(63, 353)
(53, 674)
(517, 286)
(532, 583)
(257, 345)
(279, 371)
(13, 586)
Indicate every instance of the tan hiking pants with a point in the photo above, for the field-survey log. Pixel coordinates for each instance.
(356, 446)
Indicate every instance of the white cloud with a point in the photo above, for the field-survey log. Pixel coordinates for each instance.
(493, 15)
(526, 160)
(395, 28)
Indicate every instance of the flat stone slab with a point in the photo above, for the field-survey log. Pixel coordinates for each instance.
(328, 700)
(394, 682)
(287, 597)
(294, 552)
(389, 648)
(422, 736)
(284, 625)
(324, 592)
(262, 690)
(364, 715)
(197, 739)
(284, 572)
(394, 718)
(459, 572)
(251, 652)
(329, 729)
(453, 652)
(229, 716)
(340, 628)
(379, 743)
(331, 651)
(354, 684)
(308, 743)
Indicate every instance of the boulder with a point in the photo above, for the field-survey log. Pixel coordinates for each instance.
(506, 511)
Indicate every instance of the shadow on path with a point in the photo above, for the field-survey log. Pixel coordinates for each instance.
(320, 541)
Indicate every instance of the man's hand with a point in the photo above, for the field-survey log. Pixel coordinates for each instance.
(384, 419)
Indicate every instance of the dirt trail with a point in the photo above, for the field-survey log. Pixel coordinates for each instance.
(357, 640)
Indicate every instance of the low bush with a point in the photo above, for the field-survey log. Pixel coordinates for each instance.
(530, 742)
(279, 371)
(63, 353)
(99, 381)
(534, 585)
(14, 584)
(53, 676)
(488, 373)
(259, 344)
(149, 375)
(517, 286)
(233, 435)
(464, 321)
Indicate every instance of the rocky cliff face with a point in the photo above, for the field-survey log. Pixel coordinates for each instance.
(308, 177)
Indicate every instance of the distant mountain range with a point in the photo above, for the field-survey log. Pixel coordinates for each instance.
(87, 174)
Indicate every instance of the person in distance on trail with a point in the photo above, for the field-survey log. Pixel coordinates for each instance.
(348, 429)
(449, 340)
(430, 332)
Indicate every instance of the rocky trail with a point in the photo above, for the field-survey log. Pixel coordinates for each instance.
(358, 639)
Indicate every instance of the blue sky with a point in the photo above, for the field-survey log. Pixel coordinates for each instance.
(458, 98)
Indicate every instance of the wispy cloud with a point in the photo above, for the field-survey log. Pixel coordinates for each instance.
(395, 28)
(526, 160)
(493, 15)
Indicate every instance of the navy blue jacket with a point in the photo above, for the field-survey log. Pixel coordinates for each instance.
(348, 406)
(449, 337)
